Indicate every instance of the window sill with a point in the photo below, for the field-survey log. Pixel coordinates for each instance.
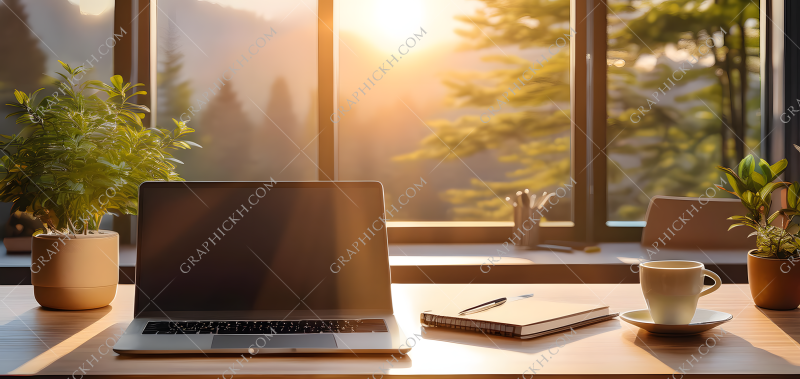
(471, 224)
(467, 231)
(481, 263)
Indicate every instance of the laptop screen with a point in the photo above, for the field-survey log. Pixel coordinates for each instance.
(205, 246)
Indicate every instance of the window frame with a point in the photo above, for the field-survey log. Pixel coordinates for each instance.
(135, 60)
(137, 57)
(455, 232)
(597, 229)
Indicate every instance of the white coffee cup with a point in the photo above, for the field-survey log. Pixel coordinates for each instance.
(672, 288)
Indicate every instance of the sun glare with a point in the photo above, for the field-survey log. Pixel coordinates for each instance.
(93, 7)
(398, 19)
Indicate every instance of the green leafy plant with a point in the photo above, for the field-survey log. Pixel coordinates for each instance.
(753, 184)
(81, 155)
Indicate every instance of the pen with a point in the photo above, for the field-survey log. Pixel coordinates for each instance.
(484, 306)
(492, 304)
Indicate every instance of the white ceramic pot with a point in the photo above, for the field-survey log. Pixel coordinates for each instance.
(74, 272)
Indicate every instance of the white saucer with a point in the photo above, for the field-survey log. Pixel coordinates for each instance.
(704, 319)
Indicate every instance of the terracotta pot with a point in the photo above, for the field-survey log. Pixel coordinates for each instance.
(18, 244)
(774, 283)
(74, 272)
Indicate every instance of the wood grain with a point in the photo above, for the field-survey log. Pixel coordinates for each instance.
(756, 343)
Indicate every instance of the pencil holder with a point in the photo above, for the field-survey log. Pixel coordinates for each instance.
(531, 238)
(525, 230)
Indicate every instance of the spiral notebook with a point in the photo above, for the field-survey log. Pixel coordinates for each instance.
(522, 319)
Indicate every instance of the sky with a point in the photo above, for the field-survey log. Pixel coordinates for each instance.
(384, 19)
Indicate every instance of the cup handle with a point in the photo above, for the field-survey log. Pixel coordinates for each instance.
(717, 282)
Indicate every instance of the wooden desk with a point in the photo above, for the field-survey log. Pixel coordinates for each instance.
(757, 343)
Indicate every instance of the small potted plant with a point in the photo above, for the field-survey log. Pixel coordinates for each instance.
(82, 153)
(774, 282)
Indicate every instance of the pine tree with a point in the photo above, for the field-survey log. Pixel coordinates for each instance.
(225, 134)
(26, 67)
(23, 65)
(174, 95)
(273, 149)
(308, 136)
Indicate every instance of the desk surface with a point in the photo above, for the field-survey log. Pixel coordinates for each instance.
(757, 343)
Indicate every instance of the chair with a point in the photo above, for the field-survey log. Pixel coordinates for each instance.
(690, 224)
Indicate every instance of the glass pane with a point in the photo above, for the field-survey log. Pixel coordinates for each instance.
(244, 73)
(683, 97)
(442, 90)
(35, 36)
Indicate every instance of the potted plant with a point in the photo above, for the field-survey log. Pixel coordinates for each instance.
(82, 153)
(774, 283)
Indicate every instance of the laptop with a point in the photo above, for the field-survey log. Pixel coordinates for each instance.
(266, 267)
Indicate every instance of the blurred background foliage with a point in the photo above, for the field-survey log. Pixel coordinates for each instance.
(710, 117)
(474, 51)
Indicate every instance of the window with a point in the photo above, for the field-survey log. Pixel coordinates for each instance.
(480, 99)
(477, 98)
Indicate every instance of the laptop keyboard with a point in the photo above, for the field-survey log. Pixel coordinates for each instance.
(265, 327)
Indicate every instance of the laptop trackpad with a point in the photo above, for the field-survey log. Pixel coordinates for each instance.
(279, 341)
